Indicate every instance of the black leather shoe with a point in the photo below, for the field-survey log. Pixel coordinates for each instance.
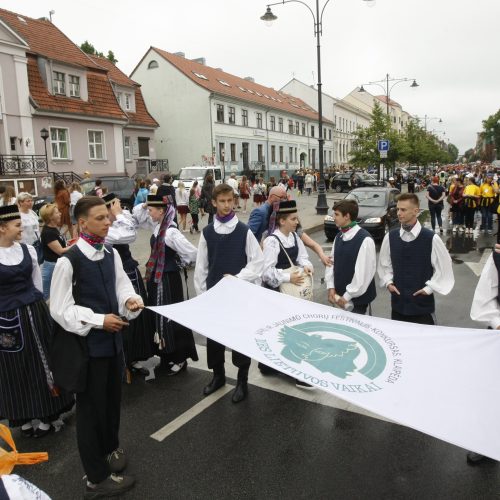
(38, 433)
(217, 382)
(475, 458)
(240, 393)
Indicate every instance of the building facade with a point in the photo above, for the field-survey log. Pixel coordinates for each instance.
(49, 86)
(209, 116)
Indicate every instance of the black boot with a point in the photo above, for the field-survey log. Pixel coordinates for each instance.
(241, 390)
(217, 382)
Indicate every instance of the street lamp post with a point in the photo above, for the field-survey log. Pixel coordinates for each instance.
(44, 134)
(428, 118)
(386, 87)
(269, 17)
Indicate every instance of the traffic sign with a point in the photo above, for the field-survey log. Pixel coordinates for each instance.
(383, 154)
(383, 145)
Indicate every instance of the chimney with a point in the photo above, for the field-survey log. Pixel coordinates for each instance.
(250, 79)
(200, 60)
(180, 54)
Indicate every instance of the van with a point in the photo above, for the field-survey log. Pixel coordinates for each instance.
(198, 173)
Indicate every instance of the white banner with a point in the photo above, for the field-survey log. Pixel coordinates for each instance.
(439, 380)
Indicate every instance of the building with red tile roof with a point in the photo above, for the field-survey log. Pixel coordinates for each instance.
(93, 114)
(207, 114)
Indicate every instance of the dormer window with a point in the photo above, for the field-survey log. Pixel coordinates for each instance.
(74, 86)
(119, 96)
(128, 102)
(59, 83)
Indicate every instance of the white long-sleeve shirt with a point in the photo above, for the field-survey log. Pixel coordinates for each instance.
(275, 277)
(442, 279)
(181, 197)
(255, 260)
(173, 237)
(13, 256)
(31, 227)
(79, 319)
(364, 269)
(123, 230)
(485, 305)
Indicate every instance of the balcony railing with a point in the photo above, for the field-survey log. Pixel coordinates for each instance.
(67, 177)
(158, 165)
(23, 165)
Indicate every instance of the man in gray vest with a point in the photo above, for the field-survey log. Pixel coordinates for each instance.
(413, 264)
(350, 280)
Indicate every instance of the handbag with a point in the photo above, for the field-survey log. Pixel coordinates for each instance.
(37, 245)
(68, 351)
(302, 291)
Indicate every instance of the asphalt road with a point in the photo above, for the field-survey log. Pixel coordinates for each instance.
(282, 442)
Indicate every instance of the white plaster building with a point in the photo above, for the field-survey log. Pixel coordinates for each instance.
(208, 115)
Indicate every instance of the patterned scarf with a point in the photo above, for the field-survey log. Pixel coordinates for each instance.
(94, 241)
(344, 229)
(226, 218)
(158, 250)
(272, 219)
(408, 227)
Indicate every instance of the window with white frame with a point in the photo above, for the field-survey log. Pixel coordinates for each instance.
(273, 122)
(59, 141)
(119, 97)
(232, 114)
(59, 83)
(74, 86)
(259, 121)
(96, 144)
(126, 147)
(128, 102)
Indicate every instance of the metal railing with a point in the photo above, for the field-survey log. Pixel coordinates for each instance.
(158, 165)
(23, 165)
(67, 177)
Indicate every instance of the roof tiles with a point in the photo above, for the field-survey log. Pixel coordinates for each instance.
(220, 82)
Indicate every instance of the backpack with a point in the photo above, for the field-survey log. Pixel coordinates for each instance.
(92, 192)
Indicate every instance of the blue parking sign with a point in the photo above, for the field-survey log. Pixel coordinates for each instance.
(383, 145)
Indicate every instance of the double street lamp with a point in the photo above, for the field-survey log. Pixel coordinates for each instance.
(386, 86)
(428, 118)
(269, 17)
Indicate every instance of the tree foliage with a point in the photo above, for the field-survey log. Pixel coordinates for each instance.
(415, 146)
(88, 48)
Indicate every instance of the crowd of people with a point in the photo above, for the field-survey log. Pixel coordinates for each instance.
(55, 321)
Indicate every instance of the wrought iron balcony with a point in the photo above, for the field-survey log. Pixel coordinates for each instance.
(23, 165)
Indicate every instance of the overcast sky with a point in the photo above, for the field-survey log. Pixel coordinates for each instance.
(450, 47)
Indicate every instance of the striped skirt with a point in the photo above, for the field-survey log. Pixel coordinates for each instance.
(26, 387)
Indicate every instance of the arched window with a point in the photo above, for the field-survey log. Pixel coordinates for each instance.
(153, 64)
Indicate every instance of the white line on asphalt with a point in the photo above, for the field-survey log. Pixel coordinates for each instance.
(188, 415)
(477, 267)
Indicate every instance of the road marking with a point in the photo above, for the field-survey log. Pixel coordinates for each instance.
(188, 415)
(477, 267)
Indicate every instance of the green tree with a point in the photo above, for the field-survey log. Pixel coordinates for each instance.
(111, 57)
(365, 152)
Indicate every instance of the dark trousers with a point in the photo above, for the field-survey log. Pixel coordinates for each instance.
(486, 218)
(194, 218)
(98, 416)
(215, 358)
(421, 319)
(435, 211)
(469, 217)
(360, 309)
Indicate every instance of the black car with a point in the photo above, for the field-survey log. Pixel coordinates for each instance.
(377, 211)
(343, 182)
(122, 187)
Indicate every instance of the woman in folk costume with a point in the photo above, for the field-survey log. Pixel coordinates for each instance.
(138, 342)
(170, 250)
(27, 390)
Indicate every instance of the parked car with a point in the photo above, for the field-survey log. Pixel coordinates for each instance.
(341, 182)
(377, 211)
(123, 187)
(198, 173)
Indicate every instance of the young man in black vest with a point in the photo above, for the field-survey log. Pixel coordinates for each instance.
(226, 247)
(413, 264)
(91, 296)
(486, 308)
(350, 280)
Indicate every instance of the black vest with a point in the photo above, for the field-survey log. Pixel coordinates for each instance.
(345, 255)
(16, 284)
(411, 264)
(293, 253)
(129, 263)
(96, 288)
(170, 258)
(226, 252)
